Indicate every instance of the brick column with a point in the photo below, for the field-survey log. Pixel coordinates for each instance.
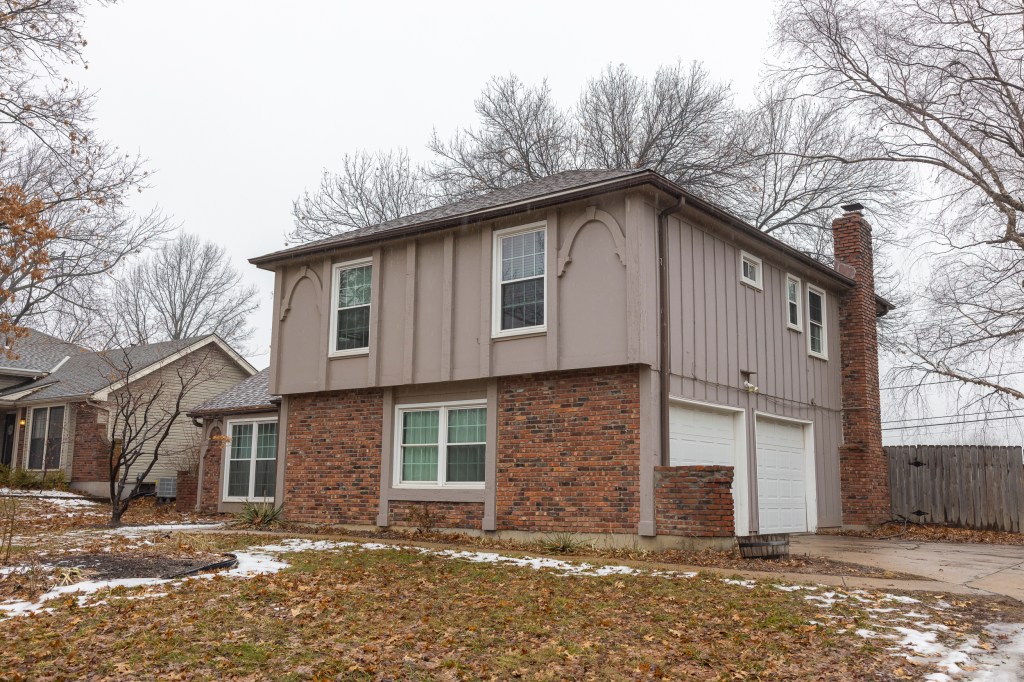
(863, 466)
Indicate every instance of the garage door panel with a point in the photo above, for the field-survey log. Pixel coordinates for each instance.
(701, 437)
(781, 476)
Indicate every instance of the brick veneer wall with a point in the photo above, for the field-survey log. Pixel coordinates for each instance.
(187, 490)
(863, 466)
(695, 501)
(91, 447)
(333, 450)
(210, 492)
(569, 451)
(442, 514)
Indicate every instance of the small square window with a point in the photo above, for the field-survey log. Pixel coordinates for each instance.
(751, 270)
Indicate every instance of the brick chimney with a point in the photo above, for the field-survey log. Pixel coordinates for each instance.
(863, 465)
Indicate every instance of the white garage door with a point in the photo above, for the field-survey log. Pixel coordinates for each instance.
(699, 436)
(781, 476)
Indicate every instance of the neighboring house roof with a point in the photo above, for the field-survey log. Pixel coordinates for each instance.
(248, 395)
(554, 189)
(94, 374)
(35, 354)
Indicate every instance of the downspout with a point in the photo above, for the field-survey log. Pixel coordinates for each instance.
(663, 330)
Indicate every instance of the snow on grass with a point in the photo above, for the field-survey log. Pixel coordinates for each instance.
(12, 492)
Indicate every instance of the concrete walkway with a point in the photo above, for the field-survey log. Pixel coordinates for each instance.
(998, 569)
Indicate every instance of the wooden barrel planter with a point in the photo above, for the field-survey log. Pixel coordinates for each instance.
(773, 546)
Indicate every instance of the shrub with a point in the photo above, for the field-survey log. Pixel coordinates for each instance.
(258, 514)
(5, 476)
(563, 543)
(54, 480)
(23, 479)
(422, 518)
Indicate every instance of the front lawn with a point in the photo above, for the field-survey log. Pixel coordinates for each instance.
(343, 611)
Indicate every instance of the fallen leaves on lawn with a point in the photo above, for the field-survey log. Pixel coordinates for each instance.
(936, 533)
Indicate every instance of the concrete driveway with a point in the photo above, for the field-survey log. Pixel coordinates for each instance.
(998, 569)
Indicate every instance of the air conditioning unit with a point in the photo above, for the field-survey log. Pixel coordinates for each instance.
(166, 488)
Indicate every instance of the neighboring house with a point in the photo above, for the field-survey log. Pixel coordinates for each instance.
(62, 417)
(247, 415)
(596, 351)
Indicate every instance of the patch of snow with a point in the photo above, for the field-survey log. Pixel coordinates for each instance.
(750, 584)
(133, 531)
(40, 493)
(1005, 663)
(901, 599)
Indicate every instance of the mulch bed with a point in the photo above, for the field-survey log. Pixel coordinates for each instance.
(113, 566)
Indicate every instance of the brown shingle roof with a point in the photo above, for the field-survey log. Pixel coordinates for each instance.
(249, 395)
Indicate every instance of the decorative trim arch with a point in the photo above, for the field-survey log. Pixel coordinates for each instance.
(305, 273)
(592, 214)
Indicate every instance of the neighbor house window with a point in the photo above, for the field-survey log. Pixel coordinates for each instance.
(46, 438)
(252, 460)
(350, 312)
(520, 287)
(793, 317)
(441, 445)
(817, 341)
(751, 270)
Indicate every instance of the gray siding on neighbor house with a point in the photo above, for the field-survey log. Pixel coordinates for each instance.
(720, 327)
(430, 320)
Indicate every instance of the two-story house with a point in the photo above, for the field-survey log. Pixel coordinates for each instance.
(597, 351)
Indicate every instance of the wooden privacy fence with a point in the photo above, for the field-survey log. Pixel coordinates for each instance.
(961, 485)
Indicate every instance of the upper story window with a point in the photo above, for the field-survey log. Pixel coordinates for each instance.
(350, 308)
(520, 285)
(252, 460)
(46, 438)
(441, 445)
(751, 270)
(794, 318)
(816, 339)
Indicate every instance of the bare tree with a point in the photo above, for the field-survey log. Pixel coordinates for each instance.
(522, 135)
(186, 288)
(939, 85)
(79, 183)
(369, 189)
(144, 414)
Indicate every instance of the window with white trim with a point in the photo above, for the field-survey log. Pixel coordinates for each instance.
(751, 270)
(252, 460)
(520, 286)
(46, 438)
(350, 314)
(441, 445)
(794, 319)
(817, 343)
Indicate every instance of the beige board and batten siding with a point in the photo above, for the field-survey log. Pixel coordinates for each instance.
(224, 373)
(430, 317)
(720, 327)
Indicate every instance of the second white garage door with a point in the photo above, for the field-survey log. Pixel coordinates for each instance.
(783, 472)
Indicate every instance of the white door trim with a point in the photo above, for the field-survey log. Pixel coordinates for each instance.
(810, 478)
(741, 466)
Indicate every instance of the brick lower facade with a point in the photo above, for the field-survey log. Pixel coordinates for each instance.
(569, 451)
(91, 446)
(334, 456)
(463, 515)
(694, 501)
(210, 493)
(188, 484)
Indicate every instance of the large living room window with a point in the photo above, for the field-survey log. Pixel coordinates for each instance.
(520, 285)
(46, 438)
(350, 307)
(251, 463)
(441, 445)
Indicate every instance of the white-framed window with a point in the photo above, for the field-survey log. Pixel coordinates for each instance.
(519, 280)
(250, 464)
(350, 307)
(46, 437)
(817, 342)
(751, 270)
(442, 444)
(794, 312)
